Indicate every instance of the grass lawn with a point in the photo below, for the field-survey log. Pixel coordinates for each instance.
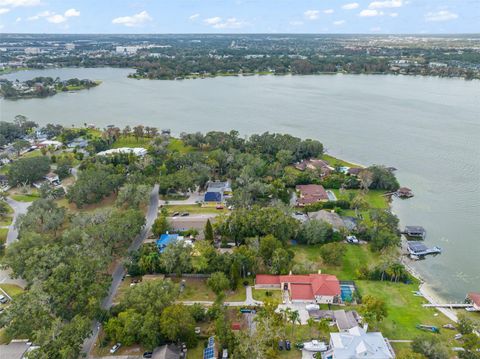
(333, 161)
(25, 197)
(405, 311)
(261, 294)
(195, 289)
(3, 234)
(355, 257)
(131, 141)
(107, 202)
(374, 198)
(11, 289)
(35, 153)
(193, 209)
(176, 145)
(239, 295)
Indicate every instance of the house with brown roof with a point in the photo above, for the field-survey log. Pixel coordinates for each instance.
(309, 288)
(315, 165)
(310, 193)
(474, 298)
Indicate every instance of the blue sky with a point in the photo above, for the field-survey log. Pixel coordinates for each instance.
(240, 16)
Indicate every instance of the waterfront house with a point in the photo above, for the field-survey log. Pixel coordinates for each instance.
(137, 151)
(311, 193)
(354, 171)
(474, 298)
(78, 143)
(330, 217)
(356, 343)
(315, 164)
(345, 319)
(309, 288)
(47, 143)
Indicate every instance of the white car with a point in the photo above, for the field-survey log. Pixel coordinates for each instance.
(115, 348)
(3, 299)
(352, 239)
(470, 309)
(312, 307)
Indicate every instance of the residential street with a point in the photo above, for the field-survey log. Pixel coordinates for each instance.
(12, 236)
(120, 269)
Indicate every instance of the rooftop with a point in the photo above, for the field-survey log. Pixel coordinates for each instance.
(311, 193)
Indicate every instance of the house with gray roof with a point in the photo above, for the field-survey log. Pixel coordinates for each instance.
(356, 343)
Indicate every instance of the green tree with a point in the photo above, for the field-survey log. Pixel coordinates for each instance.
(315, 232)
(133, 195)
(218, 282)
(161, 225)
(28, 170)
(19, 145)
(431, 347)
(178, 325)
(177, 258)
(373, 309)
(208, 231)
(333, 253)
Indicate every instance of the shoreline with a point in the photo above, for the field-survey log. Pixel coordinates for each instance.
(430, 295)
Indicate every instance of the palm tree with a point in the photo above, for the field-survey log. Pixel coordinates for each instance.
(294, 317)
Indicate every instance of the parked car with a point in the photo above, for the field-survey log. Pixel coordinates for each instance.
(147, 354)
(470, 309)
(184, 214)
(219, 207)
(352, 239)
(115, 348)
(288, 346)
(281, 345)
(312, 307)
(175, 214)
(3, 299)
(458, 336)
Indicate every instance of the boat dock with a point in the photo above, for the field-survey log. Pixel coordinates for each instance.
(415, 232)
(448, 305)
(419, 250)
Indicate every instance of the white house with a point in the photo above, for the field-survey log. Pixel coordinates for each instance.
(356, 343)
(137, 151)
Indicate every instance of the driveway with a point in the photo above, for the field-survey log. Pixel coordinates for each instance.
(300, 308)
(193, 198)
(120, 269)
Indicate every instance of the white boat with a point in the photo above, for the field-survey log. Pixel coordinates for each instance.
(315, 346)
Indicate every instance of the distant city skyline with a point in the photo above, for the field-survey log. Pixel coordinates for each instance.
(240, 16)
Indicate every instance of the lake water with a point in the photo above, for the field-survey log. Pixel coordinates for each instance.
(428, 128)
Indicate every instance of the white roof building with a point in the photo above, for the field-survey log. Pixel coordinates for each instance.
(356, 343)
(137, 151)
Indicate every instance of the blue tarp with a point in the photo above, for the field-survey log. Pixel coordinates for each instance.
(164, 240)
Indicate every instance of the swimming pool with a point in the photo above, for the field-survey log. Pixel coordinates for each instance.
(347, 292)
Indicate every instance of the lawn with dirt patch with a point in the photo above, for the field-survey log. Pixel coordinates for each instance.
(195, 289)
(193, 209)
(264, 294)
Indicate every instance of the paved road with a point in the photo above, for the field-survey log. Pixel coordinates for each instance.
(12, 236)
(18, 208)
(120, 269)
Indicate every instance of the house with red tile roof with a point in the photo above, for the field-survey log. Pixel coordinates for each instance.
(309, 288)
(310, 193)
(474, 298)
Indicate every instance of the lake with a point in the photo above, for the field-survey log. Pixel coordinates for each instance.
(428, 128)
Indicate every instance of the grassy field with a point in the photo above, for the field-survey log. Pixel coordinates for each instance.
(195, 289)
(261, 294)
(176, 145)
(131, 141)
(239, 295)
(3, 234)
(29, 197)
(193, 209)
(405, 311)
(11, 289)
(333, 161)
(355, 257)
(374, 198)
